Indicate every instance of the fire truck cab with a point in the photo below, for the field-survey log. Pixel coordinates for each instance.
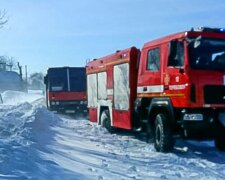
(174, 87)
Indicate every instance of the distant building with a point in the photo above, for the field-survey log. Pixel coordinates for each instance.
(10, 80)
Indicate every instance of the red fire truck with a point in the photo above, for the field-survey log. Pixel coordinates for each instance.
(66, 90)
(173, 87)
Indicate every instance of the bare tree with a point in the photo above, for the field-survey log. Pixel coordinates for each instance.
(3, 18)
(7, 63)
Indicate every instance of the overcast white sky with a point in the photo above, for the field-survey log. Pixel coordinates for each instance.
(50, 33)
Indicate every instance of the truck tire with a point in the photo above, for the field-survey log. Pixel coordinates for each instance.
(163, 138)
(105, 121)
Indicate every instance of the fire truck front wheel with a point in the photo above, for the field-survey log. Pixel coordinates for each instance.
(163, 138)
(105, 121)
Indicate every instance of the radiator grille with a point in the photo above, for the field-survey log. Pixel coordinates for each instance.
(214, 94)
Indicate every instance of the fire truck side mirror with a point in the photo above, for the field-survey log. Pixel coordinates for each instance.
(45, 79)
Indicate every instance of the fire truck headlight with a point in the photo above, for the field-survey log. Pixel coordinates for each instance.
(53, 103)
(83, 102)
(193, 117)
(57, 102)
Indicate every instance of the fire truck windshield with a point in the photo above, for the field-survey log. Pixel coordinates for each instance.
(207, 54)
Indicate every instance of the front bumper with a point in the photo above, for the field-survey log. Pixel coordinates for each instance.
(69, 106)
(203, 123)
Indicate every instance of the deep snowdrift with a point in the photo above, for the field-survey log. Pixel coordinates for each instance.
(38, 144)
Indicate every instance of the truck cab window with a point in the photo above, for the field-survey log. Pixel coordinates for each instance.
(176, 54)
(153, 61)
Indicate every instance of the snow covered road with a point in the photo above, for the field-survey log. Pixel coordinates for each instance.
(38, 144)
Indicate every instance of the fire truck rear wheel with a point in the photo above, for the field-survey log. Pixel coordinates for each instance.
(163, 139)
(105, 121)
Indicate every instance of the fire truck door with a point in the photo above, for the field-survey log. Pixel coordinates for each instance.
(174, 70)
(149, 81)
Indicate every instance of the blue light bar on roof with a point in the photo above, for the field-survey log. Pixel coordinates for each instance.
(208, 29)
(222, 30)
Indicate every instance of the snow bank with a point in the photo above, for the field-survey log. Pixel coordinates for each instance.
(25, 132)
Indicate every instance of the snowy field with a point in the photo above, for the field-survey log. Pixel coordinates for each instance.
(38, 144)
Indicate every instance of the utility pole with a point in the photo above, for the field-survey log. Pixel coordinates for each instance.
(26, 78)
(20, 69)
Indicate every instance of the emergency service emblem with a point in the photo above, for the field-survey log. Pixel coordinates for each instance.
(167, 79)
